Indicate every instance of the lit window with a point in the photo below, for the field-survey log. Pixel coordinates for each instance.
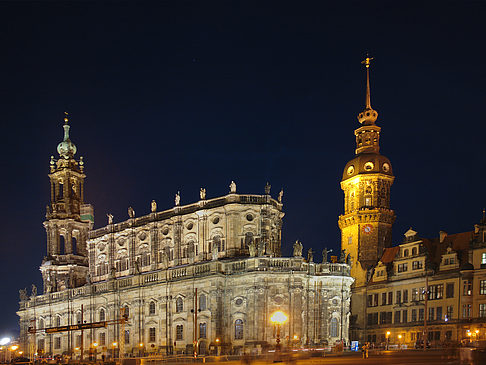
(239, 329)
(483, 258)
(482, 310)
(467, 287)
(102, 315)
(482, 287)
(102, 338)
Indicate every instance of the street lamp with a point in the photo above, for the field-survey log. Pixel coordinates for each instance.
(399, 342)
(278, 318)
(388, 333)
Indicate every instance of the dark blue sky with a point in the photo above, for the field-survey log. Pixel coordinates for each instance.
(168, 96)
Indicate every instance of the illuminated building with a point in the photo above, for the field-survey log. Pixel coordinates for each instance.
(422, 287)
(206, 274)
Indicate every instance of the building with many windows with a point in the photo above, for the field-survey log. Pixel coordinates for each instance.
(199, 277)
(422, 287)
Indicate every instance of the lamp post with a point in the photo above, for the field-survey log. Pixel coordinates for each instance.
(278, 318)
(387, 339)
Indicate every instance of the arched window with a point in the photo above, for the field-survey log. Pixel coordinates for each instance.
(179, 332)
(152, 307)
(62, 245)
(102, 315)
(179, 305)
(334, 327)
(57, 322)
(41, 323)
(217, 243)
(202, 330)
(248, 239)
(202, 302)
(239, 329)
(74, 245)
(78, 317)
(126, 311)
(405, 253)
(414, 251)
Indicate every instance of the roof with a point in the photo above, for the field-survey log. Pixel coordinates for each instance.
(389, 254)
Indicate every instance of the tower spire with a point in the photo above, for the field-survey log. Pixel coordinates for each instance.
(367, 116)
(367, 63)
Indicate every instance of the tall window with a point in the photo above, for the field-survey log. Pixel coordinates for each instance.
(102, 339)
(405, 253)
(397, 316)
(467, 287)
(126, 311)
(152, 307)
(41, 344)
(414, 315)
(438, 314)
(41, 323)
(404, 316)
(202, 330)
(179, 305)
(383, 298)
(421, 314)
(482, 310)
(152, 334)
(450, 310)
(78, 317)
(58, 321)
(483, 258)
(334, 327)
(398, 297)
(57, 342)
(239, 329)
(450, 290)
(127, 336)
(179, 332)
(414, 251)
(405, 295)
(202, 302)
(466, 311)
(248, 239)
(102, 315)
(482, 287)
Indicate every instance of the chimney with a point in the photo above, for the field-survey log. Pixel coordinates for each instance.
(442, 236)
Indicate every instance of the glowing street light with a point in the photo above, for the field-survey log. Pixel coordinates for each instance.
(13, 348)
(388, 333)
(278, 318)
(5, 341)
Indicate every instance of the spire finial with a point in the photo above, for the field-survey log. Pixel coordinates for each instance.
(368, 116)
(367, 63)
(66, 120)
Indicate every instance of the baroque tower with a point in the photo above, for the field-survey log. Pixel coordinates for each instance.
(366, 224)
(68, 221)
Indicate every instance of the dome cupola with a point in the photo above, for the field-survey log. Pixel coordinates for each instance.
(66, 148)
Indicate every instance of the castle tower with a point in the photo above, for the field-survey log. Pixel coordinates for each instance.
(68, 221)
(366, 224)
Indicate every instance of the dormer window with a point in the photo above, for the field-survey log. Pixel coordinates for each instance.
(405, 253)
(414, 251)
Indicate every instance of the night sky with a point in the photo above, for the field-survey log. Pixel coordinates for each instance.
(168, 96)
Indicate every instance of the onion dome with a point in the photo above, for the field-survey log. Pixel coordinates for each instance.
(66, 148)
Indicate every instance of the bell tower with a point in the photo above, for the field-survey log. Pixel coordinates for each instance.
(366, 224)
(68, 220)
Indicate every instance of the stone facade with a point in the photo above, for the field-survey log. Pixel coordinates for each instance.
(207, 274)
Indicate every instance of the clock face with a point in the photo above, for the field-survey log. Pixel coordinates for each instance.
(367, 228)
(350, 170)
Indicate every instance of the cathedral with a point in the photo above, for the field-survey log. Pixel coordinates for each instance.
(201, 278)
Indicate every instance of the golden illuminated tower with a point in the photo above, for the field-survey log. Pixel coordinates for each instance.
(366, 224)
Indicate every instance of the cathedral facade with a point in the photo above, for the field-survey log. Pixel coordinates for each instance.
(203, 277)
